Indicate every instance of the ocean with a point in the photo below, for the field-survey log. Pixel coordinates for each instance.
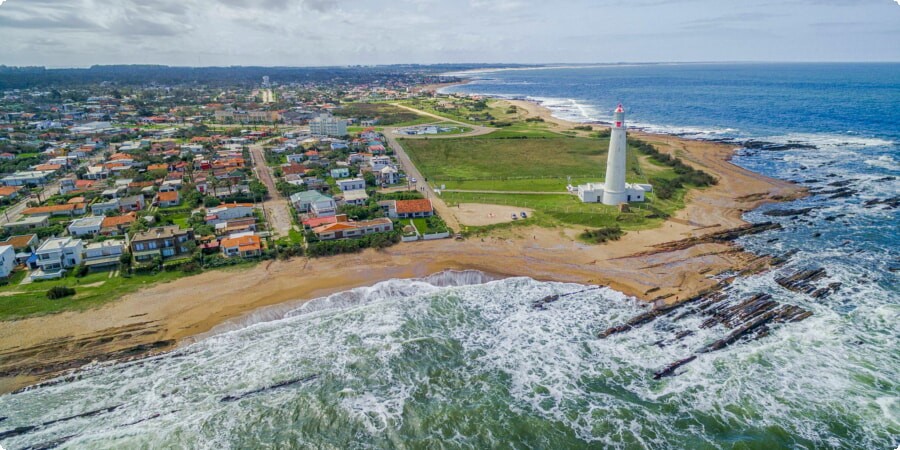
(461, 360)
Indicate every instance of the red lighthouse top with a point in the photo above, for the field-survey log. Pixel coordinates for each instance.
(620, 108)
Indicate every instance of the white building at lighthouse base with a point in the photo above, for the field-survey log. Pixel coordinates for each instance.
(593, 193)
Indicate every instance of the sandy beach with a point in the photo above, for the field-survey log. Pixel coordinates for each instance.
(163, 316)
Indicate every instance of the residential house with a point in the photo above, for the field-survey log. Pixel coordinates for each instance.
(165, 242)
(357, 197)
(314, 203)
(113, 226)
(23, 178)
(28, 223)
(9, 192)
(132, 203)
(242, 225)
(7, 260)
(352, 184)
(343, 229)
(388, 175)
(295, 158)
(104, 254)
(340, 172)
(379, 162)
(407, 209)
(56, 255)
(87, 226)
(168, 199)
(24, 245)
(101, 208)
(229, 211)
(244, 246)
(69, 209)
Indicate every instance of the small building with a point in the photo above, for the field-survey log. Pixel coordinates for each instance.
(104, 254)
(389, 175)
(407, 209)
(24, 245)
(226, 212)
(68, 209)
(344, 229)
(168, 199)
(340, 172)
(164, 242)
(131, 203)
(28, 223)
(295, 158)
(55, 256)
(116, 225)
(7, 260)
(357, 197)
(246, 246)
(101, 208)
(24, 178)
(9, 192)
(352, 184)
(87, 226)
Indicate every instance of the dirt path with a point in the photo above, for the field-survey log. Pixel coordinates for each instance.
(276, 206)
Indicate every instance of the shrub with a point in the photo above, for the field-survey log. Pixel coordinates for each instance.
(602, 235)
(57, 292)
(81, 270)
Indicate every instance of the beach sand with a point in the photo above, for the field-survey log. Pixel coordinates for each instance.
(163, 316)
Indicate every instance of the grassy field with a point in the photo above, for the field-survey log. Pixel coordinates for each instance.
(387, 115)
(520, 166)
(93, 290)
(493, 160)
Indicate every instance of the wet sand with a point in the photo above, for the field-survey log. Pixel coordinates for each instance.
(163, 316)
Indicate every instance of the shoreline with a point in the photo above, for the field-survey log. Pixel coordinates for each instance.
(163, 317)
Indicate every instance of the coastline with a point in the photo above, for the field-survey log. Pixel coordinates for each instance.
(162, 317)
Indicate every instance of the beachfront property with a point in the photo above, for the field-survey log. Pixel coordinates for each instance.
(326, 125)
(24, 245)
(245, 246)
(314, 203)
(104, 254)
(342, 228)
(55, 256)
(615, 191)
(407, 209)
(165, 242)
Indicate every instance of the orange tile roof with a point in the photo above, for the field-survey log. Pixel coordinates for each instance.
(170, 196)
(19, 241)
(84, 183)
(6, 191)
(52, 209)
(413, 206)
(119, 220)
(47, 167)
(76, 200)
(158, 167)
(243, 243)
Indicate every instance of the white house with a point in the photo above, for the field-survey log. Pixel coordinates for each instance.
(88, 226)
(228, 212)
(379, 162)
(295, 158)
(389, 175)
(106, 253)
(315, 203)
(56, 255)
(7, 260)
(26, 178)
(356, 197)
(352, 184)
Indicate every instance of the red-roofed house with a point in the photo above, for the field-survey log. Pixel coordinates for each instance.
(168, 199)
(244, 246)
(407, 209)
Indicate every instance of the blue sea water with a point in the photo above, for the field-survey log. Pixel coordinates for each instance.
(459, 360)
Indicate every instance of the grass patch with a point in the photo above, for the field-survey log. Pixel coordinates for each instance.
(387, 115)
(31, 299)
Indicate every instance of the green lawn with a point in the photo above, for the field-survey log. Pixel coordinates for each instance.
(444, 160)
(93, 290)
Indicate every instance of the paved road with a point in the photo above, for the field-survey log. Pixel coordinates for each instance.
(276, 206)
(507, 192)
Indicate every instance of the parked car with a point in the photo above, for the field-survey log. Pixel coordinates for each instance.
(523, 214)
(413, 180)
(515, 217)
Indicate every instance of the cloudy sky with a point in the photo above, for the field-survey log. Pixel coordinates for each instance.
(74, 33)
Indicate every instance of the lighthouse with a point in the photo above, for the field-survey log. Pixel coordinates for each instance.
(614, 191)
(614, 188)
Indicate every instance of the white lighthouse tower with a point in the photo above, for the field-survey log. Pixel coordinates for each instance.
(614, 188)
(614, 191)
